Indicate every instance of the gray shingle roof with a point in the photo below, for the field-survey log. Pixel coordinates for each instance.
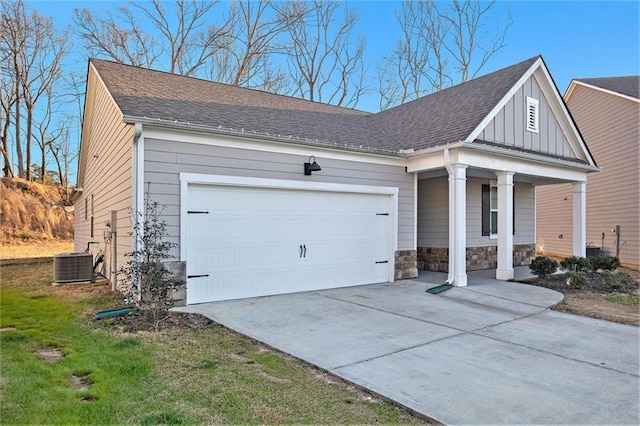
(628, 85)
(450, 115)
(443, 117)
(153, 94)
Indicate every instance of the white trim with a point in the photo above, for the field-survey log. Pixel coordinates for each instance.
(532, 123)
(187, 179)
(476, 132)
(247, 142)
(415, 211)
(574, 83)
(551, 93)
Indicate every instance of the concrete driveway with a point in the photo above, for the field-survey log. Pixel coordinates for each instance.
(491, 353)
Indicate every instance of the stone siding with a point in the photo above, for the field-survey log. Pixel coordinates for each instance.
(406, 264)
(437, 258)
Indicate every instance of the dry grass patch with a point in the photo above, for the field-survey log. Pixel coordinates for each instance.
(19, 249)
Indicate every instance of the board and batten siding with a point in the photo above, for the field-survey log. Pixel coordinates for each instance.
(108, 175)
(610, 125)
(164, 160)
(433, 213)
(509, 125)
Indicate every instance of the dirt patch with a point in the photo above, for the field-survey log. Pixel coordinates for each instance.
(81, 382)
(8, 328)
(141, 321)
(50, 355)
(595, 306)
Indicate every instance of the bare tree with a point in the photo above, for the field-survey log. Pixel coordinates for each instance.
(13, 33)
(256, 26)
(324, 64)
(7, 99)
(33, 50)
(440, 44)
(118, 37)
(181, 41)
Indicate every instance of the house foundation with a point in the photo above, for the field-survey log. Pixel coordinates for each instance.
(406, 264)
(437, 258)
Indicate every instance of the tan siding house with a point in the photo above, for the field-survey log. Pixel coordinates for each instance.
(104, 179)
(607, 112)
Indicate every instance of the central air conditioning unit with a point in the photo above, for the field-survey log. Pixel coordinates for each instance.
(72, 267)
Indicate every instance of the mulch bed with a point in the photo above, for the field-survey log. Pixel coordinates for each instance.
(142, 321)
(595, 283)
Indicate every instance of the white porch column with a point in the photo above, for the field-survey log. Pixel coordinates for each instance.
(505, 225)
(457, 224)
(580, 218)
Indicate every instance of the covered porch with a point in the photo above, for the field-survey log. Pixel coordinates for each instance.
(475, 201)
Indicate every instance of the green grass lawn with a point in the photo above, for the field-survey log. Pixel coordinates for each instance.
(181, 375)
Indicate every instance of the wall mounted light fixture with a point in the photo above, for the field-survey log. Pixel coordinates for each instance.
(311, 166)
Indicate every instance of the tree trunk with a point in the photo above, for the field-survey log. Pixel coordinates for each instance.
(18, 142)
(28, 141)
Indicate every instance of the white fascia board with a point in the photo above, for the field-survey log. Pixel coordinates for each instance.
(496, 158)
(496, 109)
(487, 160)
(563, 116)
(259, 143)
(556, 103)
(574, 83)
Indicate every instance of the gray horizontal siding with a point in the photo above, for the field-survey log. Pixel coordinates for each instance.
(165, 160)
(509, 125)
(433, 213)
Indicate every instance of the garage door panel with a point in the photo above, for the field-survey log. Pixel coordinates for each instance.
(249, 241)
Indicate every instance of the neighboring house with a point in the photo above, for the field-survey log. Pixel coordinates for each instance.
(607, 112)
(445, 182)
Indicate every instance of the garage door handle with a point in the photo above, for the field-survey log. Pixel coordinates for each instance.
(300, 250)
(197, 276)
(304, 247)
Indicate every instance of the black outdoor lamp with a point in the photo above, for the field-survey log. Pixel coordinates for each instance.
(311, 166)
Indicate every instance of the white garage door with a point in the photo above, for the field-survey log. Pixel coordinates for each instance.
(246, 242)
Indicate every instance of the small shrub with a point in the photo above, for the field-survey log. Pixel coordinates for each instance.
(577, 280)
(543, 266)
(606, 263)
(617, 281)
(576, 264)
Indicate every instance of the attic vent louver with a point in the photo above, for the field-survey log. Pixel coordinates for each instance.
(532, 115)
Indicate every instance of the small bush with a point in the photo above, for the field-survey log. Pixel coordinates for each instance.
(576, 264)
(543, 266)
(616, 281)
(577, 280)
(606, 263)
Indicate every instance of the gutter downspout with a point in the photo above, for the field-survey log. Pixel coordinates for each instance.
(452, 217)
(138, 188)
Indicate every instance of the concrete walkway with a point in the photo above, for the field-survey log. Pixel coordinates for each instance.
(490, 353)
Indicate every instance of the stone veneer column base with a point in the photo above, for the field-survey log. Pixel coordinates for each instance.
(406, 264)
(437, 258)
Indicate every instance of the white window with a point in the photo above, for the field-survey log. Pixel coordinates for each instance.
(532, 115)
(493, 209)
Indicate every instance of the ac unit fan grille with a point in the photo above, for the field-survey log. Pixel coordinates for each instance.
(72, 267)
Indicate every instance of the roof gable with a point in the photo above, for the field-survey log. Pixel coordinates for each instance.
(450, 115)
(557, 113)
(627, 87)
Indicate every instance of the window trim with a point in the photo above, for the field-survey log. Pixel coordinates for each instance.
(532, 115)
(486, 210)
